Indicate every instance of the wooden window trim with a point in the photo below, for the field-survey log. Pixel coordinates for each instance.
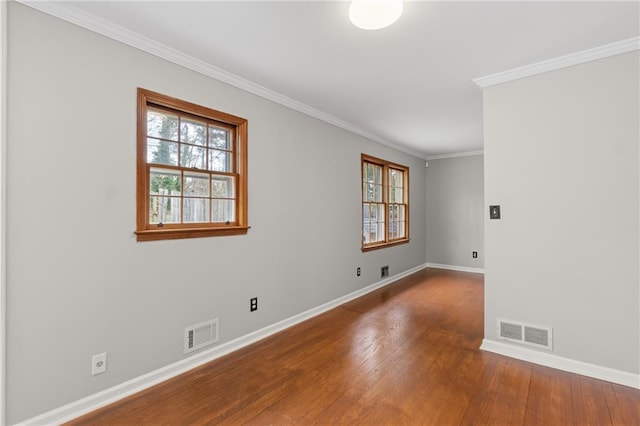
(239, 126)
(386, 165)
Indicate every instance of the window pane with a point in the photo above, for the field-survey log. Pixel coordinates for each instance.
(222, 210)
(373, 232)
(398, 186)
(369, 193)
(377, 193)
(402, 213)
(219, 161)
(164, 182)
(162, 152)
(378, 174)
(162, 125)
(196, 184)
(195, 210)
(380, 235)
(374, 213)
(193, 157)
(399, 178)
(369, 175)
(365, 213)
(222, 187)
(399, 195)
(401, 229)
(397, 221)
(219, 138)
(366, 233)
(164, 209)
(192, 131)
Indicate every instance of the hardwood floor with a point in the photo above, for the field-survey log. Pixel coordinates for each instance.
(406, 354)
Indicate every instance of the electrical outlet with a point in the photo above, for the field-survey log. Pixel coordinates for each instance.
(253, 304)
(358, 272)
(475, 254)
(99, 364)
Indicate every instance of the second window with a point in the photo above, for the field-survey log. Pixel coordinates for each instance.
(385, 203)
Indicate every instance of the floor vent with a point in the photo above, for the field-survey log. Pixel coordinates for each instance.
(200, 335)
(532, 335)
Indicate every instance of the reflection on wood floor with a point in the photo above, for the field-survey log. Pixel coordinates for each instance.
(406, 354)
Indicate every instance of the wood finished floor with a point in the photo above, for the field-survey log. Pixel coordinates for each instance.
(406, 354)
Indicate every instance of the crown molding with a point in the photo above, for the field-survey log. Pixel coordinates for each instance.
(454, 155)
(577, 58)
(101, 26)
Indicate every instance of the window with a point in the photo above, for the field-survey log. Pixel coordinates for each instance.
(385, 203)
(192, 170)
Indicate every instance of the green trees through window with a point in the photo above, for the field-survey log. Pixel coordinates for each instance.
(191, 169)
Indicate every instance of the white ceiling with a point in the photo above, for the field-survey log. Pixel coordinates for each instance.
(409, 85)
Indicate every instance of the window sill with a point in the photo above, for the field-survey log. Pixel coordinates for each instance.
(384, 245)
(175, 234)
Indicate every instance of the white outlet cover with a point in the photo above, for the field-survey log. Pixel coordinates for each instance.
(99, 364)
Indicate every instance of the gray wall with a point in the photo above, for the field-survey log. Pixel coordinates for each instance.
(78, 283)
(455, 211)
(561, 158)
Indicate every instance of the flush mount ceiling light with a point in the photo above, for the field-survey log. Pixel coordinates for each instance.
(374, 14)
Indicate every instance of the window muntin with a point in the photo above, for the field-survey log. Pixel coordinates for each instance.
(191, 170)
(385, 203)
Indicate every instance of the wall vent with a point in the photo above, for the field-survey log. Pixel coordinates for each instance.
(527, 334)
(200, 335)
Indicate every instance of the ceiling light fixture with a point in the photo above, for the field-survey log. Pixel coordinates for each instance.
(374, 14)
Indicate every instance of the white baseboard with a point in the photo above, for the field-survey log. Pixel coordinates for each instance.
(456, 268)
(561, 363)
(93, 402)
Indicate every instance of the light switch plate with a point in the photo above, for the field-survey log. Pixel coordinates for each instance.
(494, 212)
